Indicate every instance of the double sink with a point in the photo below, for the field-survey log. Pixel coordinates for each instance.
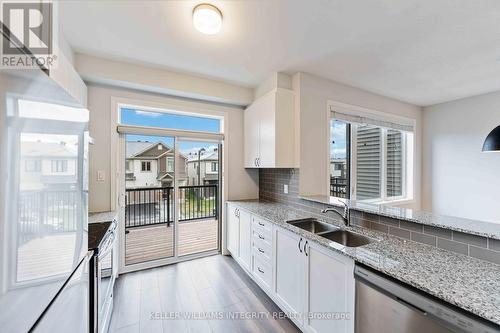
(331, 232)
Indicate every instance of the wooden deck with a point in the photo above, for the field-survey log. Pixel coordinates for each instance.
(157, 242)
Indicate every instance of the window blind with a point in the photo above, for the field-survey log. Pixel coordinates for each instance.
(368, 162)
(403, 125)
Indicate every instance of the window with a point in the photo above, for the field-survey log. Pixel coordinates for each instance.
(339, 158)
(33, 166)
(128, 166)
(59, 166)
(146, 166)
(170, 164)
(382, 159)
(214, 167)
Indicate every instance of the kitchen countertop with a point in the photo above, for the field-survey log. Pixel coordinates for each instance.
(480, 228)
(103, 216)
(466, 282)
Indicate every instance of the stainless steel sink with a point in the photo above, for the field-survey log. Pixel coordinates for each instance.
(313, 225)
(347, 238)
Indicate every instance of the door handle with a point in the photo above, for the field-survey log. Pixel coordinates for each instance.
(300, 242)
(305, 245)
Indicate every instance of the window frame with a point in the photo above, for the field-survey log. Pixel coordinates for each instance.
(55, 164)
(145, 169)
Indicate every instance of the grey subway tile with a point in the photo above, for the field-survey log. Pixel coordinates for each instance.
(371, 217)
(494, 244)
(402, 233)
(469, 239)
(380, 227)
(410, 226)
(389, 221)
(484, 254)
(423, 238)
(440, 232)
(453, 246)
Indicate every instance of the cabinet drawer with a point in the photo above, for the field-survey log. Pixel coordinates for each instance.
(262, 250)
(262, 224)
(262, 271)
(262, 236)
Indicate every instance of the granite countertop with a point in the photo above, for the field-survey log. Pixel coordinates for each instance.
(469, 283)
(480, 228)
(103, 216)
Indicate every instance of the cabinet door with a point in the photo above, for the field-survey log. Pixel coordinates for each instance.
(251, 135)
(289, 267)
(325, 268)
(245, 242)
(267, 112)
(233, 230)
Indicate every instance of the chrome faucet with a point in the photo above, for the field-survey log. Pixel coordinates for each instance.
(344, 214)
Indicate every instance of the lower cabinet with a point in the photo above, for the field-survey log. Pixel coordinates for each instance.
(313, 284)
(233, 229)
(245, 239)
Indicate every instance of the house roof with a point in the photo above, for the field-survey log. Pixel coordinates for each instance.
(48, 149)
(210, 156)
(136, 148)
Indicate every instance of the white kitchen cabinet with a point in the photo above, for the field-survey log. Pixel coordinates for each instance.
(233, 230)
(245, 239)
(270, 131)
(289, 266)
(330, 289)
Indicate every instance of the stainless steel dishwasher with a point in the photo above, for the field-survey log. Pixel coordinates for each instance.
(383, 305)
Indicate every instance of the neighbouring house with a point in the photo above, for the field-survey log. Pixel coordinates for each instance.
(151, 164)
(208, 165)
(338, 168)
(48, 165)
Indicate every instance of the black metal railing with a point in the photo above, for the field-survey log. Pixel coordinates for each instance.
(338, 187)
(155, 205)
(46, 211)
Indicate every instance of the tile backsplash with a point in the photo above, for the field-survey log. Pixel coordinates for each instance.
(271, 188)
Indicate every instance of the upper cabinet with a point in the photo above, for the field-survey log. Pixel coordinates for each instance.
(269, 131)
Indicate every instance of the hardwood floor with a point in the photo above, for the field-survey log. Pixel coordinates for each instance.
(214, 284)
(156, 242)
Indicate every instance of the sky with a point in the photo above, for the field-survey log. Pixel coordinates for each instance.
(172, 121)
(337, 139)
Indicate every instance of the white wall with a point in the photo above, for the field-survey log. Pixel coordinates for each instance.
(312, 96)
(242, 184)
(458, 179)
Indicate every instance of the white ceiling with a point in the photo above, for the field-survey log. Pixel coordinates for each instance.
(419, 51)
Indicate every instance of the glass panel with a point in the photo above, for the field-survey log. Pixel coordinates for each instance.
(368, 162)
(339, 162)
(149, 198)
(198, 197)
(168, 120)
(394, 163)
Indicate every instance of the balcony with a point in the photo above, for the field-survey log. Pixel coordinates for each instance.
(149, 217)
(338, 187)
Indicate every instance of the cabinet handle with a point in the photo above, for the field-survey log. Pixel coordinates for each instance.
(305, 245)
(261, 237)
(260, 250)
(258, 161)
(260, 270)
(255, 161)
(300, 242)
(261, 224)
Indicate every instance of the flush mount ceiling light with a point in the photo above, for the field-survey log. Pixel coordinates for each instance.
(207, 19)
(492, 142)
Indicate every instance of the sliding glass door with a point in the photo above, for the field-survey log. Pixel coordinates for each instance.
(198, 196)
(149, 198)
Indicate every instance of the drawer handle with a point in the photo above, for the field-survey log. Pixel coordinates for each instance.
(261, 224)
(260, 270)
(260, 250)
(261, 237)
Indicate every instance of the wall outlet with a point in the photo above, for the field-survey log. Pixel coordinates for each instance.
(100, 175)
(285, 189)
